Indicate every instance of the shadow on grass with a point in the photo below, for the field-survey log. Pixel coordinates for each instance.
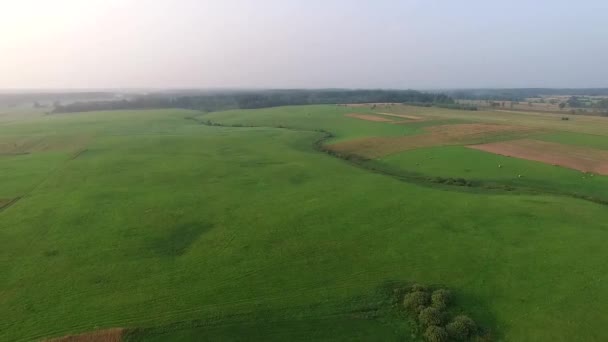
(179, 239)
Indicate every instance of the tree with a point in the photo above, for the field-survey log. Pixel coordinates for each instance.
(562, 105)
(413, 301)
(574, 102)
(436, 334)
(430, 316)
(461, 328)
(440, 298)
(603, 103)
(420, 287)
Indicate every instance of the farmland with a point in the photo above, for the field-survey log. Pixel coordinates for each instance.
(297, 222)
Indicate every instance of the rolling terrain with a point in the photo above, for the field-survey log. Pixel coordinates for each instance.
(296, 222)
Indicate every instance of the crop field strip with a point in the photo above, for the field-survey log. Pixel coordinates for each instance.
(578, 158)
(458, 134)
(593, 125)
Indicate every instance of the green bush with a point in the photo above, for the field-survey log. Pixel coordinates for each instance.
(441, 298)
(413, 301)
(430, 316)
(420, 288)
(436, 334)
(461, 328)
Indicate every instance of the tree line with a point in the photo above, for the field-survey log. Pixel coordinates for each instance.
(214, 101)
(521, 94)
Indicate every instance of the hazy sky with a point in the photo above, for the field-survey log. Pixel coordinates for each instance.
(303, 43)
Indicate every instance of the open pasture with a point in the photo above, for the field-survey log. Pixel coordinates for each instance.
(182, 225)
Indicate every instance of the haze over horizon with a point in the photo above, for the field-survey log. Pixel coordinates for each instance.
(419, 44)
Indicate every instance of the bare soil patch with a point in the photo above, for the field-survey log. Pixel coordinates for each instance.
(368, 117)
(442, 135)
(107, 335)
(405, 116)
(573, 157)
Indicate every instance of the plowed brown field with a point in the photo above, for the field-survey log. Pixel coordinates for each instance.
(573, 157)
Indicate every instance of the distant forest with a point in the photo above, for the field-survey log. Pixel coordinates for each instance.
(521, 94)
(42, 98)
(213, 101)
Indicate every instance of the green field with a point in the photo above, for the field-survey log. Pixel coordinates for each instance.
(157, 222)
(490, 170)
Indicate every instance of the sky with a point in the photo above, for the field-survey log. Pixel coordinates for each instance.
(407, 44)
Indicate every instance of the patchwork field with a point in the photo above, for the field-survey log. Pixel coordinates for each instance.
(578, 158)
(256, 225)
(440, 135)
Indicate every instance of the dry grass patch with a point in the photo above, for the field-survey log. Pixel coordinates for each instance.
(31, 144)
(460, 134)
(107, 335)
(368, 117)
(573, 157)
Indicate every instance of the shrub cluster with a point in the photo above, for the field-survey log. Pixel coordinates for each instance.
(445, 105)
(452, 181)
(456, 106)
(429, 307)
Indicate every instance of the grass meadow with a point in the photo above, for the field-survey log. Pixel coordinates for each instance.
(177, 230)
